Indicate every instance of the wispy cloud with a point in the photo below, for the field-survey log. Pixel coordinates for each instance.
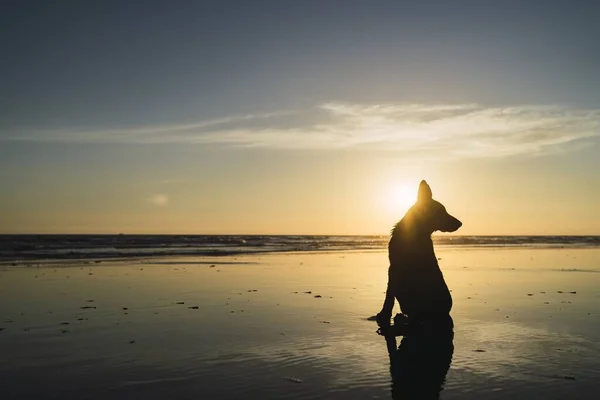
(171, 181)
(444, 130)
(159, 199)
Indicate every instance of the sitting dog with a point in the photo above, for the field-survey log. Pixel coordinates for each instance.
(414, 276)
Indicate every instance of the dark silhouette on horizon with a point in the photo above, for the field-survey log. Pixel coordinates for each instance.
(414, 276)
(419, 366)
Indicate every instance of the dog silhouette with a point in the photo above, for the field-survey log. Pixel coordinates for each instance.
(414, 276)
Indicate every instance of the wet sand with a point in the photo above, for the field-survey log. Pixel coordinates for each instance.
(295, 326)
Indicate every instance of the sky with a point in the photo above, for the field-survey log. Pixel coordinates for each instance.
(298, 117)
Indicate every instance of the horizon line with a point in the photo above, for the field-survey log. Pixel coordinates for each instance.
(279, 234)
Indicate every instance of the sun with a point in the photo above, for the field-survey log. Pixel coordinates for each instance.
(400, 198)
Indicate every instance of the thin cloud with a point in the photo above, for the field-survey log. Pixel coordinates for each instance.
(436, 131)
(148, 134)
(171, 181)
(425, 130)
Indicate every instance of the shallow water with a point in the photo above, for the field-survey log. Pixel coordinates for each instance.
(256, 333)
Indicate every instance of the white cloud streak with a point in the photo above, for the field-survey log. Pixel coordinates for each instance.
(436, 131)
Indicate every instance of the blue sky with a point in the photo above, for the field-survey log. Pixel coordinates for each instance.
(291, 116)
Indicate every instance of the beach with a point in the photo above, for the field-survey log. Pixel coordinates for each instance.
(294, 325)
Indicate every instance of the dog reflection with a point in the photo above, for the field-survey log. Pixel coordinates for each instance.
(420, 364)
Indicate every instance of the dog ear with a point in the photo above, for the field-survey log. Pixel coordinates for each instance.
(424, 192)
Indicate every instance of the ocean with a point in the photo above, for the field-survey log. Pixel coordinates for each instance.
(23, 248)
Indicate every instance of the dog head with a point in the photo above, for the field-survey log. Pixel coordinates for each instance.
(430, 215)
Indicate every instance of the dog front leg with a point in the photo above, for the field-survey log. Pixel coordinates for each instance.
(384, 316)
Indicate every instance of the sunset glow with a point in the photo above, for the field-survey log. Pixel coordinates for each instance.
(288, 129)
(399, 199)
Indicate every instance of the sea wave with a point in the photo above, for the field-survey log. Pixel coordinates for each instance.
(43, 247)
